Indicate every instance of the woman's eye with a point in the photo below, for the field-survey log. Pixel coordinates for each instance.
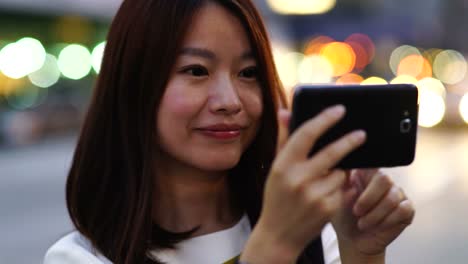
(249, 73)
(197, 71)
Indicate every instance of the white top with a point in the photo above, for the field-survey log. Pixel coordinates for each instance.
(216, 248)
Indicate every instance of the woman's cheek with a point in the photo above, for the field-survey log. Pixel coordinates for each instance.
(253, 103)
(181, 102)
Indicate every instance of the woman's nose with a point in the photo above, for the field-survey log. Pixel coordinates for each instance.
(225, 98)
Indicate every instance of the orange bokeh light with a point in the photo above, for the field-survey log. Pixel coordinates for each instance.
(341, 56)
(350, 78)
(316, 44)
(416, 66)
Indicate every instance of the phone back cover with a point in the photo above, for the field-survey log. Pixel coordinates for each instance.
(378, 109)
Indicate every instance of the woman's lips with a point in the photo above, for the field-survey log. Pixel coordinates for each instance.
(221, 134)
(222, 131)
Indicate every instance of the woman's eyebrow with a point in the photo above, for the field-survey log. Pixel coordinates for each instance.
(207, 54)
(198, 52)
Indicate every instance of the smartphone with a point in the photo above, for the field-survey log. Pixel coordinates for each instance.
(388, 113)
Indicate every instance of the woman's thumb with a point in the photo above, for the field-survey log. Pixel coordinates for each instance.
(283, 127)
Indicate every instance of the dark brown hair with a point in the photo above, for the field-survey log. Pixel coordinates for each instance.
(109, 188)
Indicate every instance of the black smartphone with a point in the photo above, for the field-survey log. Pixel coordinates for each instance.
(388, 113)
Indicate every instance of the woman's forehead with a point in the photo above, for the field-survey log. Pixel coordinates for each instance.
(216, 29)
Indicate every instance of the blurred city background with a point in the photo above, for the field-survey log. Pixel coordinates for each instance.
(50, 53)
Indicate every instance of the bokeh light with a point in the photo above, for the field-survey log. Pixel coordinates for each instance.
(316, 44)
(416, 66)
(362, 59)
(341, 56)
(8, 85)
(48, 75)
(350, 78)
(287, 66)
(431, 108)
(450, 66)
(374, 80)
(75, 61)
(399, 54)
(363, 47)
(432, 85)
(431, 54)
(365, 42)
(464, 108)
(404, 79)
(301, 7)
(315, 69)
(97, 54)
(73, 29)
(22, 57)
(26, 97)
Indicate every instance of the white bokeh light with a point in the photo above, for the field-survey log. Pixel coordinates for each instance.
(48, 75)
(464, 108)
(97, 54)
(450, 67)
(315, 69)
(301, 7)
(431, 108)
(22, 57)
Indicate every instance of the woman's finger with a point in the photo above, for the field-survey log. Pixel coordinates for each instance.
(378, 187)
(402, 215)
(364, 176)
(329, 156)
(328, 184)
(385, 207)
(302, 140)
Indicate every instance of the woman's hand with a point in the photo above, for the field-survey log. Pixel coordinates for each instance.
(301, 193)
(374, 217)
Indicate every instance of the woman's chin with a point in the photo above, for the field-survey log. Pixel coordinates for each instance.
(218, 164)
(218, 161)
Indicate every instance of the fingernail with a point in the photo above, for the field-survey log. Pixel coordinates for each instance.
(337, 110)
(359, 136)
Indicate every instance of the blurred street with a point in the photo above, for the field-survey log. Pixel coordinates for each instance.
(34, 215)
(32, 200)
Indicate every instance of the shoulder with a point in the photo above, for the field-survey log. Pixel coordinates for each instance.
(73, 249)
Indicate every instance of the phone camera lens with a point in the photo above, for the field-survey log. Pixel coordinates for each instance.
(405, 126)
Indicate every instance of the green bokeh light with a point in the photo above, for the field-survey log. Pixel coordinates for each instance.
(74, 61)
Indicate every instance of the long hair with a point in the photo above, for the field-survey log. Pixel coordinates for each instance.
(109, 188)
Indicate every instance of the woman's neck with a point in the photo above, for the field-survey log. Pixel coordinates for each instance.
(185, 198)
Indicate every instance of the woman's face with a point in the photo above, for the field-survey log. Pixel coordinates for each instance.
(210, 111)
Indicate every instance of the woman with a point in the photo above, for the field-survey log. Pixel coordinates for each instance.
(176, 159)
